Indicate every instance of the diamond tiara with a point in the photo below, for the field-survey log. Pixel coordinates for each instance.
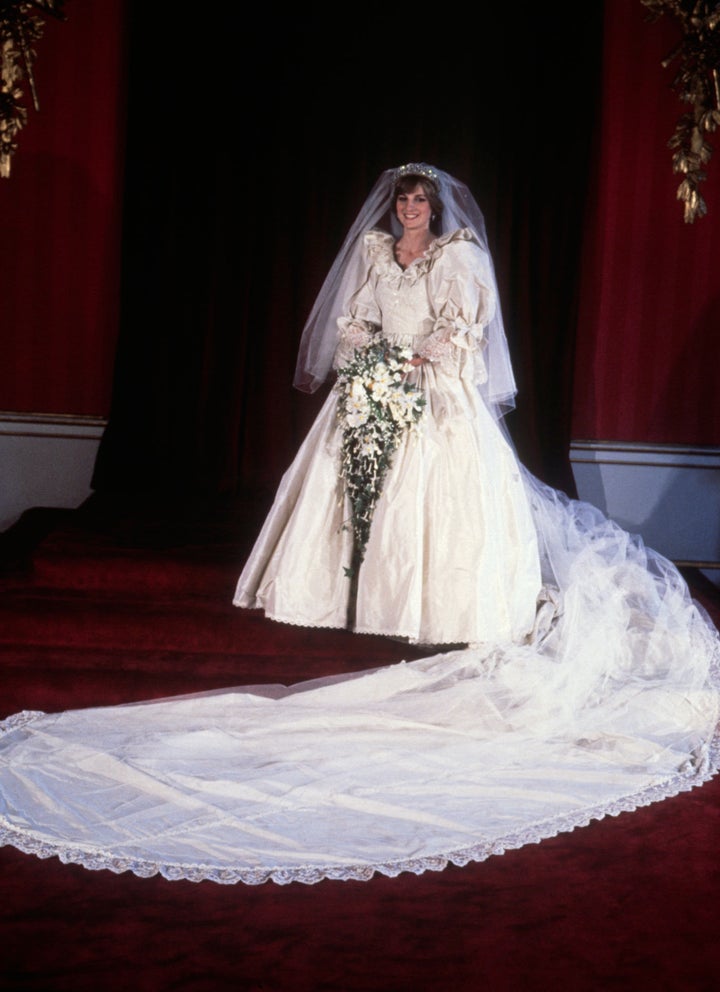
(417, 169)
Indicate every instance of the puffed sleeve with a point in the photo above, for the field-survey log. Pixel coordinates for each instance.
(463, 302)
(361, 320)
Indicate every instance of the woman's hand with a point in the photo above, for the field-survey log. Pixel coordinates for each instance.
(416, 360)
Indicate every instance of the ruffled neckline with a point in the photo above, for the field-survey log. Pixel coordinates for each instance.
(381, 250)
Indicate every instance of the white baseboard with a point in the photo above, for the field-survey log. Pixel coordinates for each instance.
(45, 460)
(669, 494)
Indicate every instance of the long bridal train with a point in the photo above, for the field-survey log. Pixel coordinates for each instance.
(612, 704)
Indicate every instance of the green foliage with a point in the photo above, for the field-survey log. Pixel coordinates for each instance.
(377, 406)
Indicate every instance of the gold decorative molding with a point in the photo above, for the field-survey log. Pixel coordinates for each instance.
(21, 24)
(697, 82)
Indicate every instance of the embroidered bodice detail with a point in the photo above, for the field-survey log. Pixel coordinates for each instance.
(437, 306)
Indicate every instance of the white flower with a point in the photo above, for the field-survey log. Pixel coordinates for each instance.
(404, 408)
(357, 390)
(357, 407)
(376, 408)
(382, 382)
(356, 420)
(369, 448)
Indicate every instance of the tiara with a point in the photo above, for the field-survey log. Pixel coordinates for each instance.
(417, 169)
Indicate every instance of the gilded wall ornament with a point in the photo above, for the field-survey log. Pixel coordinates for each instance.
(697, 82)
(21, 25)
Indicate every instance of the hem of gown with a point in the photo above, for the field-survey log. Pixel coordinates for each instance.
(94, 859)
(367, 631)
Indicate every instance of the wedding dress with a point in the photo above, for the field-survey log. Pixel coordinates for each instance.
(590, 684)
(452, 556)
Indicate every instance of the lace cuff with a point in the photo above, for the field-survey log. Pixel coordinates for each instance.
(353, 334)
(449, 340)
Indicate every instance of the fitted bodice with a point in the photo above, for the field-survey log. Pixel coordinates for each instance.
(406, 314)
(438, 306)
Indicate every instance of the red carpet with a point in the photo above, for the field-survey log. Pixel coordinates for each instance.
(120, 603)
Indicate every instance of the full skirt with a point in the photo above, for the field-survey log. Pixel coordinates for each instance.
(452, 556)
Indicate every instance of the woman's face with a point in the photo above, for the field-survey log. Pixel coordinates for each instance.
(413, 209)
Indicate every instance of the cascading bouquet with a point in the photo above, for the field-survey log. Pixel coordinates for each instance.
(377, 406)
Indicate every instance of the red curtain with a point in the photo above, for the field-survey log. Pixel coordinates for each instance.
(61, 211)
(649, 321)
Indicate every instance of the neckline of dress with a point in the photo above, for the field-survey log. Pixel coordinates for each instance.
(420, 258)
(382, 247)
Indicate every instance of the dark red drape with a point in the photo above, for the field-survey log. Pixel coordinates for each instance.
(650, 302)
(61, 219)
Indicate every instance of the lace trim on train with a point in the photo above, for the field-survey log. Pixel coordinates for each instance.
(695, 773)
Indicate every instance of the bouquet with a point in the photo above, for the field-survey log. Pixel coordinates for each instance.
(377, 406)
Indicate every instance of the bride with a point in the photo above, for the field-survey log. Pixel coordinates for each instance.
(577, 677)
(451, 555)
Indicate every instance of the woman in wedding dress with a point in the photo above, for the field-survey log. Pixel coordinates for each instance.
(452, 554)
(588, 682)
